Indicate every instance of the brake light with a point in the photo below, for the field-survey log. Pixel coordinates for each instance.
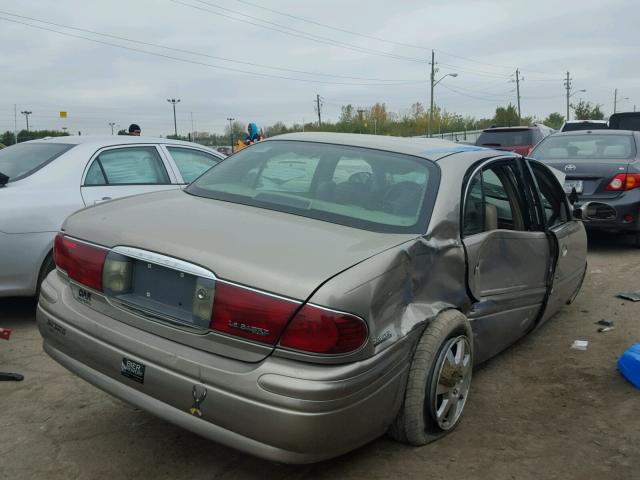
(319, 330)
(529, 150)
(624, 181)
(249, 314)
(82, 262)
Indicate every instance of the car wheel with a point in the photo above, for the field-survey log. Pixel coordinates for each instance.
(439, 381)
(47, 267)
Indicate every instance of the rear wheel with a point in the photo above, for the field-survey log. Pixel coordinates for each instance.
(438, 383)
(47, 267)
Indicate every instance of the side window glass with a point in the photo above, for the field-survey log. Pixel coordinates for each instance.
(287, 174)
(95, 175)
(192, 163)
(553, 203)
(492, 202)
(130, 166)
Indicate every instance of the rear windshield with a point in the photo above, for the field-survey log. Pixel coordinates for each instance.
(505, 138)
(21, 160)
(357, 187)
(572, 127)
(627, 123)
(586, 147)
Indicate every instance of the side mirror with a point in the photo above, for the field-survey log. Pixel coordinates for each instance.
(577, 213)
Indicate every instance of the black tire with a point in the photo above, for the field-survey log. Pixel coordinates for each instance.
(47, 267)
(416, 422)
(636, 237)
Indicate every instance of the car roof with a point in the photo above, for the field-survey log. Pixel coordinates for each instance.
(100, 141)
(586, 121)
(429, 148)
(595, 132)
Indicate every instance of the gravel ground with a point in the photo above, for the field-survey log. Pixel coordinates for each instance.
(537, 411)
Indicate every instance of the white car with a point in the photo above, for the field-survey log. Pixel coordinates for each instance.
(51, 178)
(573, 125)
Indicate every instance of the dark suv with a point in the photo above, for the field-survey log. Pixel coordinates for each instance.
(513, 139)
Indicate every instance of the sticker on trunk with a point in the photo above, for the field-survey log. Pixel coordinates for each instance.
(132, 369)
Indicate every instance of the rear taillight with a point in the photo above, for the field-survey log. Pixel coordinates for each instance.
(249, 314)
(529, 150)
(82, 262)
(319, 330)
(624, 181)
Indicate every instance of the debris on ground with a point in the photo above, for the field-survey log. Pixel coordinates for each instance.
(633, 296)
(604, 323)
(5, 333)
(629, 365)
(580, 344)
(605, 329)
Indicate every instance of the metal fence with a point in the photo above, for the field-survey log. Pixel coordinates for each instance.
(465, 136)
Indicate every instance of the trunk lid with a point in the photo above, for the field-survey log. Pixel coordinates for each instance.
(595, 175)
(274, 252)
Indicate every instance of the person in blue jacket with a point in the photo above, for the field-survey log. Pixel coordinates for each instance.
(253, 135)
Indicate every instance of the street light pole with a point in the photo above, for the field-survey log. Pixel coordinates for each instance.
(231, 131)
(26, 114)
(431, 82)
(173, 102)
(433, 85)
(112, 124)
(616, 100)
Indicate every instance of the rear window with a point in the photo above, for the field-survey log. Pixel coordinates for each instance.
(505, 138)
(20, 161)
(578, 147)
(573, 127)
(627, 123)
(357, 187)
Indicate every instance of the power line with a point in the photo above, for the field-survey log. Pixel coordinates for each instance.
(293, 32)
(191, 52)
(379, 39)
(220, 67)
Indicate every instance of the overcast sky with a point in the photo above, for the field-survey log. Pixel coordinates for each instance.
(386, 61)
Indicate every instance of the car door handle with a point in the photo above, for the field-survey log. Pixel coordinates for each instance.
(104, 199)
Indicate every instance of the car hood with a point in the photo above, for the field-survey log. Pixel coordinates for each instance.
(273, 251)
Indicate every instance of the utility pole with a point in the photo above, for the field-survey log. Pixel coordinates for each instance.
(173, 102)
(26, 114)
(231, 131)
(360, 112)
(319, 110)
(615, 99)
(112, 124)
(15, 122)
(193, 131)
(432, 84)
(567, 85)
(518, 79)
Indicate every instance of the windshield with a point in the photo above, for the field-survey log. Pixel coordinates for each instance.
(20, 161)
(505, 138)
(357, 187)
(572, 127)
(578, 147)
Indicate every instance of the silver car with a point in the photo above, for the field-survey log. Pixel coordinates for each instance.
(44, 181)
(314, 291)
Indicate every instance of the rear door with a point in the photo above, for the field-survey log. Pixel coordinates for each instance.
(125, 170)
(190, 162)
(570, 240)
(507, 257)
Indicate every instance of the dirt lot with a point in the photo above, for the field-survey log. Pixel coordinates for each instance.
(537, 411)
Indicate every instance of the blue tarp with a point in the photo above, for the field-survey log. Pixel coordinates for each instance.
(629, 364)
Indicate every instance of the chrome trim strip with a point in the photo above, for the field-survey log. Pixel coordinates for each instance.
(261, 292)
(84, 241)
(164, 261)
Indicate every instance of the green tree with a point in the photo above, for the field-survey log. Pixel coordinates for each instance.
(587, 111)
(7, 138)
(506, 116)
(554, 120)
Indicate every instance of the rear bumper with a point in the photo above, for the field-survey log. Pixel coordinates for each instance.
(277, 409)
(628, 203)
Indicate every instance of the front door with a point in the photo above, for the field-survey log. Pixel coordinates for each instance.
(508, 259)
(570, 237)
